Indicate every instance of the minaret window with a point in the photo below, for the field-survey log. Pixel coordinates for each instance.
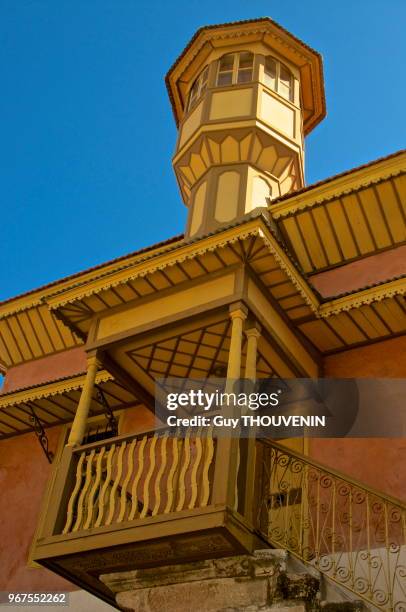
(198, 87)
(235, 68)
(278, 77)
(245, 65)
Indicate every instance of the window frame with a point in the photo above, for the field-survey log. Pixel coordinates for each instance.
(279, 65)
(235, 71)
(201, 86)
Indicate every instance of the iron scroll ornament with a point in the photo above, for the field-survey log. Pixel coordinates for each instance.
(41, 435)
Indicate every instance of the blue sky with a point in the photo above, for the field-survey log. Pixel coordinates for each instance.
(86, 129)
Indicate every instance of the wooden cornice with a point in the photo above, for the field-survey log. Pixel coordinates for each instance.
(49, 389)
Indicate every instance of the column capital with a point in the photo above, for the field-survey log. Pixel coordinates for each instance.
(238, 310)
(93, 359)
(253, 331)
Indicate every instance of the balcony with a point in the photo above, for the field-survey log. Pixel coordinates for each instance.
(150, 500)
(145, 500)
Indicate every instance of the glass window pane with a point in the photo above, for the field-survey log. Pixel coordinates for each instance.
(269, 81)
(204, 75)
(270, 72)
(285, 83)
(244, 76)
(226, 62)
(285, 75)
(193, 94)
(203, 80)
(225, 78)
(284, 90)
(246, 60)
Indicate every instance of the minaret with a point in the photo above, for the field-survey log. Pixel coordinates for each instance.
(244, 96)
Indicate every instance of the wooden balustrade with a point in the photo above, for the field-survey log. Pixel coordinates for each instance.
(138, 476)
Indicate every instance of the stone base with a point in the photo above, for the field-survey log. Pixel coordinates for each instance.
(246, 583)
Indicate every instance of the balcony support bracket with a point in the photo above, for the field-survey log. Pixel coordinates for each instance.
(112, 424)
(40, 432)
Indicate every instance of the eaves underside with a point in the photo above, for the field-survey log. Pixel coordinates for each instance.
(379, 305)
(55, 402)
(69, 313)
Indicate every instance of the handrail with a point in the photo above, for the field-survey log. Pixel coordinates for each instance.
(121, 438)
(343, 476)
(352, 533)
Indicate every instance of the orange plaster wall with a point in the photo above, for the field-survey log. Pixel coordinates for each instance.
(24, 471)
(379, 462)
(361, 273)
(380, 360)
(137, 419)
(65, 363)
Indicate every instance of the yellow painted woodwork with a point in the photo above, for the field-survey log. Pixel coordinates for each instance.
(166, 312)
(80, 421)
(172, 304)
(227, 196)
(198, 208)
(191, 124)
(230, 104)
(276, 112)
(141, 444)
(235, 112)
(261, 192)
(281, 331)
(237, 315)
(252, 334)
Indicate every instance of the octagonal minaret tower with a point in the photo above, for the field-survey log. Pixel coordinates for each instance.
(244, 95)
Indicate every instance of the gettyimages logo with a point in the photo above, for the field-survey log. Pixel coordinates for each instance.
(283, 408)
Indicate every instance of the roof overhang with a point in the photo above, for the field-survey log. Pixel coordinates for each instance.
(357, 318)
(345, 218)
(54, 403)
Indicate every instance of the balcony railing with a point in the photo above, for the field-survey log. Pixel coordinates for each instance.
(352, 534)
(146, 499)
(139, 476)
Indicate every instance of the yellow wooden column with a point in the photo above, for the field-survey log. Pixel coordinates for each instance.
(80, 421)
(227, 455)
(238, 314)
(252, 334)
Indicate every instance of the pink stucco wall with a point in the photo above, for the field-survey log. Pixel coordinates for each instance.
(24, 471)
(358, 274)
(380, 463)
(38, 371)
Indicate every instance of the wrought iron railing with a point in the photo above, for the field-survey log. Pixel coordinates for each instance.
(136, 477)
(354, 535)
